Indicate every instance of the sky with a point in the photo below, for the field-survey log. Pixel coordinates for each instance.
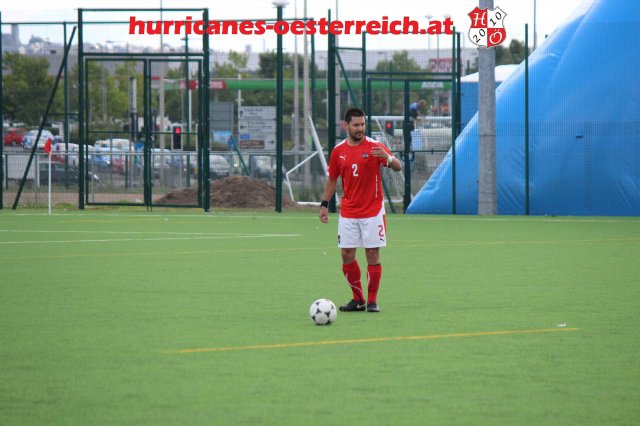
(549, 15)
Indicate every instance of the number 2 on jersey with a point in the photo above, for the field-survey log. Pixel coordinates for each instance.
(355, 169)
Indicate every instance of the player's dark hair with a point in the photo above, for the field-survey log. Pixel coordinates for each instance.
(353, 112)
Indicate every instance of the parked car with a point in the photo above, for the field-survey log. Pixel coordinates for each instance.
(157, 156)
(118, 162)
(99, 160)
(58, 153)
(184, 162)
(30, 139)
(62, 174)
(114, 143)
(263, 166)
(14, 136)
(218, 167)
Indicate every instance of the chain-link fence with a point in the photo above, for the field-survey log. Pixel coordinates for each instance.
(242, 109)
(145, 120)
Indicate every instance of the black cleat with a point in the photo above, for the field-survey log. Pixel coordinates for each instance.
(372, 307)
(353, 306)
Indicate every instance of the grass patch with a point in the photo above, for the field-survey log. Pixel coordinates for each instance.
(95, 306)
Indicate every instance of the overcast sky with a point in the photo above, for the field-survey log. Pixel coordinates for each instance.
(550, 14)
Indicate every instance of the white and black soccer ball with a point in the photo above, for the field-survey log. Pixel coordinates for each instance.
(323, 312)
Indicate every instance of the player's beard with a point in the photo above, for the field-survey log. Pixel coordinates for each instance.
(356, 136)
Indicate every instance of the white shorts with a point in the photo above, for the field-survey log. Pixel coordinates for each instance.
(370, 232)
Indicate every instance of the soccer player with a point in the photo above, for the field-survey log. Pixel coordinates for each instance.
(357, 160)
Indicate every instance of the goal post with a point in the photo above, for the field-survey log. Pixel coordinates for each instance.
(323, 161)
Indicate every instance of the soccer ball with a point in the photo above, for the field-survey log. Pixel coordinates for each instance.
(323, 312)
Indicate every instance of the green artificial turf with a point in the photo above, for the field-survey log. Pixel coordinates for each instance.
(180, 317)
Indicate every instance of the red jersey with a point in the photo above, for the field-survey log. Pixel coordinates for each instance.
(361, 178)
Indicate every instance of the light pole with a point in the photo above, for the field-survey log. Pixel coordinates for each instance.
(389, 69)
(487, 176)
(104, 81)
(296, 93)
(390, 65)
(306, 105)
(445, 16)
(280, 5)
(187, 89)
(429, 37)
(437, 67)
(186, 108)
(161, 94)
(103, 84)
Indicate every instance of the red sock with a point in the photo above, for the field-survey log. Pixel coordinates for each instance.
(351, 272)
(374, 274)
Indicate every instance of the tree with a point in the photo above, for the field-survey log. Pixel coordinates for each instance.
(268, 63)
(101, 86)
(391, 101)
(27, 88)
(224, 70)
(174, 99)
(123, 74)
(517, 50)
(239, 60)
(102, 90)
(514, 54)
(402, 62)
(268, 68)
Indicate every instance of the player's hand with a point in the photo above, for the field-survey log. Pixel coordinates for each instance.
(324, 215)
(378, 151)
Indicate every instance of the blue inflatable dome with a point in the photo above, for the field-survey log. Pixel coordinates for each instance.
(584, 125)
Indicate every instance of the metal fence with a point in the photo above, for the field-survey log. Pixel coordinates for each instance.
(242, 84)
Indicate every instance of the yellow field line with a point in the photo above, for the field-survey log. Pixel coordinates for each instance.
(368, 340)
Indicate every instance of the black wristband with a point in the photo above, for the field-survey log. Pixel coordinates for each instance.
(324, 203)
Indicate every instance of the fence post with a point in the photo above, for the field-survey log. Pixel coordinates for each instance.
(1, 120)
(206, 119)
(81, 111)
(279, 116)
(407, 125)
(363, 77)
(453, 111)
(526, 119)
(331, 101)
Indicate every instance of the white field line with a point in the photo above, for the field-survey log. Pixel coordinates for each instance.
(57, 231)
(185, 236)
(585, 219)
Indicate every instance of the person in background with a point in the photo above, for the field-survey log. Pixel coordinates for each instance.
(414, 108)
(414, 112)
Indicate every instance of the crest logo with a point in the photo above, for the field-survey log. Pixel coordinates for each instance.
(365, 155)
(487, 28)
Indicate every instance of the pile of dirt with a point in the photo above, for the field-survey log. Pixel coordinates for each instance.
(231, 192)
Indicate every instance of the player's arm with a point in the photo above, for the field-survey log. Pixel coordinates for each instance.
(329, 189)
(392, 162)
